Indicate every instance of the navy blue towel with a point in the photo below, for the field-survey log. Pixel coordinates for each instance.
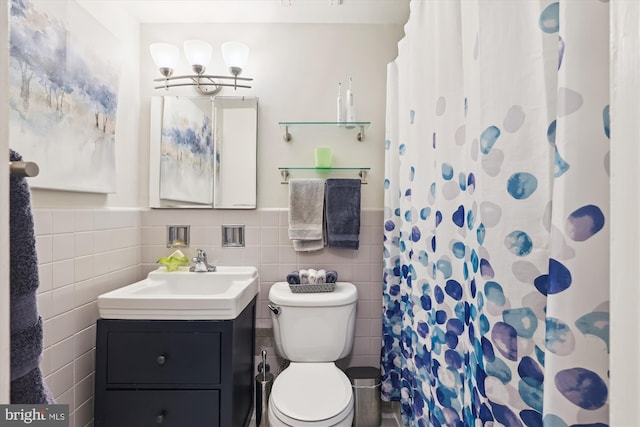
(332, 276)
(342, 204)
(27, 384)
(293, 278)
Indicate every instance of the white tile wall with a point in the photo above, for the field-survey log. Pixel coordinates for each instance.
(269, 249)
(81, 254)
(86, 252)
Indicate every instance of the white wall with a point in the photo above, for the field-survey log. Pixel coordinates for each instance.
(296, 69)
(625, 213)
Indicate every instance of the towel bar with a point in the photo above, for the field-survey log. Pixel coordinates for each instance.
(285, 173)
(23, 169)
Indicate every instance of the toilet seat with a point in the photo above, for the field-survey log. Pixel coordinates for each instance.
(311, 394)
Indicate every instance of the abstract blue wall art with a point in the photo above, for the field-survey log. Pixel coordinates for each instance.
(63, 94)
(186, 150)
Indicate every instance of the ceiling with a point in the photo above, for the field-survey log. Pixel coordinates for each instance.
(269, 11)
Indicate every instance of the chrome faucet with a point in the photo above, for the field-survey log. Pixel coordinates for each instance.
(201, 264)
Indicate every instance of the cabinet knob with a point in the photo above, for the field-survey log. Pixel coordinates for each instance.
(161, 359)
(160, 418)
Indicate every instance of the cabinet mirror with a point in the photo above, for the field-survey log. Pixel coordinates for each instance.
(203, 152)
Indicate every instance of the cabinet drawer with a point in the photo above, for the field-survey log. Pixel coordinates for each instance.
(168, 408)
(163, 358)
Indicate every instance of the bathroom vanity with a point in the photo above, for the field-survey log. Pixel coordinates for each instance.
(176, 373)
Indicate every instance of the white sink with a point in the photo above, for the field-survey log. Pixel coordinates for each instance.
(183, 295)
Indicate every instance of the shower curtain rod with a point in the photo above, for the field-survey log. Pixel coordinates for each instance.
(23, 169)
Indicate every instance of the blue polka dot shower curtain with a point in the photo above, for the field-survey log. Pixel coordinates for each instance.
(496, 270)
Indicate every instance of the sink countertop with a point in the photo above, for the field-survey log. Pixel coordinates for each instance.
(183, 295)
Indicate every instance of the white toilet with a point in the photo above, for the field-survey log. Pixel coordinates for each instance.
(312, 330)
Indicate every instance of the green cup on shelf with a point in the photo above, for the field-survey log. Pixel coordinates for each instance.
(323, 157)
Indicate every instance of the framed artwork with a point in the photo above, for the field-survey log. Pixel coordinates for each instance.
(186, 150)
(64, 71)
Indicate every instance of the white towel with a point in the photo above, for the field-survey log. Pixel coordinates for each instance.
(304, 277)
(322, 276)
(306, 210)
(308, 245)
(313, 276)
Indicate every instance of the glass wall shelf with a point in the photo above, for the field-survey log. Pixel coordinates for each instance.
(344, 125)
(285, 172)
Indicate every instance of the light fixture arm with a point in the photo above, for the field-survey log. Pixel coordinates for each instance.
(204, 83)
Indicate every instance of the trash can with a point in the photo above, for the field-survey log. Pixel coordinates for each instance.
(365, 381)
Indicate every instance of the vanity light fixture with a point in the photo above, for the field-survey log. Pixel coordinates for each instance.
(198, 53)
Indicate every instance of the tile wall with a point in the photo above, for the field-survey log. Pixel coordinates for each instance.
(269, 249)
(83, 253)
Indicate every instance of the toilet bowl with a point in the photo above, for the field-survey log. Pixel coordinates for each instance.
(312, 331)
(311, 394)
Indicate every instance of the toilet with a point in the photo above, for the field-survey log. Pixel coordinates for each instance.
(312, 331)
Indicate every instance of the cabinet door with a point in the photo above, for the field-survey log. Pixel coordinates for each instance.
(163, 358)
(166, 408)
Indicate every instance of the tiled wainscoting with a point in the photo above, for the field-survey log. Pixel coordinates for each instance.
(269, 249)
(85, 252)
(81, 254)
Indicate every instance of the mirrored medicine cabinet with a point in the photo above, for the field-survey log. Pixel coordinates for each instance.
(203, 152)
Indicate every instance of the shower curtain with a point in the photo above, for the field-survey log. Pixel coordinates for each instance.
(496, 243)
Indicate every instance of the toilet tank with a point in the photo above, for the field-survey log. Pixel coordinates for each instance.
(314, 327)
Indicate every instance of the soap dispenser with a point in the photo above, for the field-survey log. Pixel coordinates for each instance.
(350, 110)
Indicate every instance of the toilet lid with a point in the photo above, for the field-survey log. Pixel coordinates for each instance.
(311, 391)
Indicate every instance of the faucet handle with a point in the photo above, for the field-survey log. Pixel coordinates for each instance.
(201, 263)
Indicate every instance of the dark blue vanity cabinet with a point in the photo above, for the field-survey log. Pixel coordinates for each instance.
(175, 373)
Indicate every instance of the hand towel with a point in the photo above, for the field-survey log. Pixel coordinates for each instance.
(304, 277)
(27, 384)
(322, 276)
(342, 201)
(332, 276)
(306, 198)
(293, 278)
(308, 245)
(313, 276)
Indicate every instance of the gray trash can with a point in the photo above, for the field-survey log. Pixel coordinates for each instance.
(365, 381)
